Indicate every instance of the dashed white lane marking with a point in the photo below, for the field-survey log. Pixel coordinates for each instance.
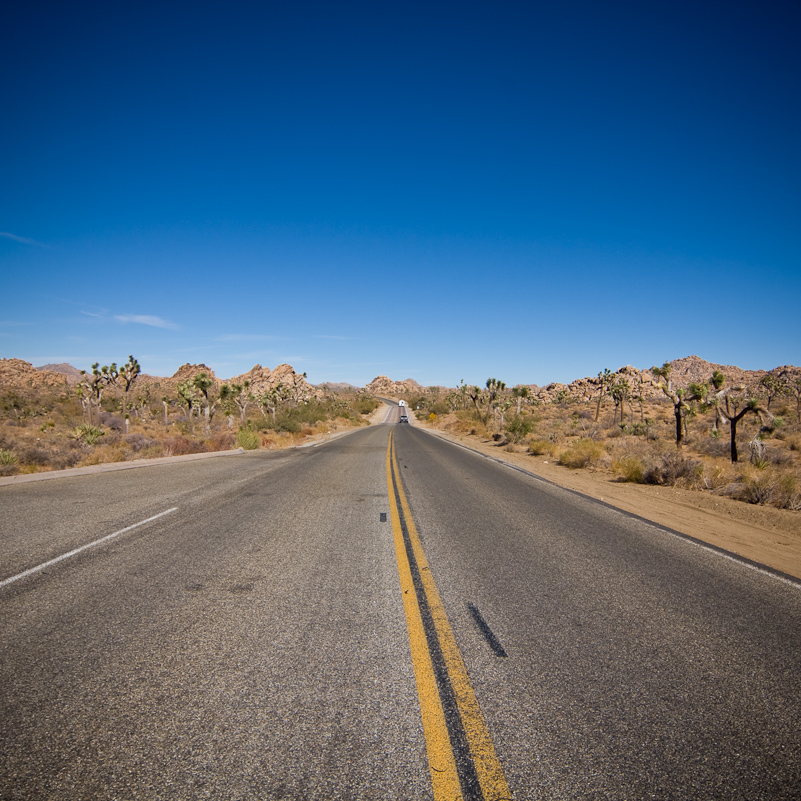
(108, 537)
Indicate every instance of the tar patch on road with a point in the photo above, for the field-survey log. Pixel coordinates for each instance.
(488, 633)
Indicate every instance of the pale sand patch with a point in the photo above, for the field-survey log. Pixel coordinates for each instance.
(763, 534)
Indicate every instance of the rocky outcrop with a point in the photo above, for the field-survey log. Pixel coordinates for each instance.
(263, 380)
(584, 389)
(18, 374)
(382, 385)
(685, 371)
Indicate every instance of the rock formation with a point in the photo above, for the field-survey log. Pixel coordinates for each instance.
(382, 386)
(18, 374)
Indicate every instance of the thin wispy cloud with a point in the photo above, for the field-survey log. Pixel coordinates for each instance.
(94, 314)
(23, 240)
(332, 336)
(146, 319)
(244, 338)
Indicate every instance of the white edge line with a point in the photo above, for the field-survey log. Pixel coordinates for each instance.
(36, 569)
(743, 561)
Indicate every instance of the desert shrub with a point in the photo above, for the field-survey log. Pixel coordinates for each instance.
(248, 439)
(8, 457)
(224, 441)
(467, 422)
(639, 428)
(287, 423)
(88, 434)
(675, 468)
(584, 453)
(364, 404)
(540, 447)
(629, 468)
(112, 421)
(767, 486)
(138, 442)
(778, 457)
(520, 426)
(180, 446)
(718, 475)
(714, 446)
(8, 462)
(787, 494)
(33, 455)
(66, 453)
(294, 420)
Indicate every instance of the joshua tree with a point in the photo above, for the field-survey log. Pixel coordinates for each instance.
(463, 390)
(679, 397)
(241, 395)
(521, 393)
(480, 397)
(126, 376)
(94, 387)
(605, 380)
(772, 387)
(728, 405)
(494, 388)
(186, 395)
(620, 391)
(204, 385)
(638, 394)
(794, 388)
(503, 408)
(81, 391)
(477, 396)
(273, 398)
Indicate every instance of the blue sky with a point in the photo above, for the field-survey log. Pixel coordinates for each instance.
(443, 191)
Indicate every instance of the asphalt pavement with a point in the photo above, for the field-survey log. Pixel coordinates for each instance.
(235, 629)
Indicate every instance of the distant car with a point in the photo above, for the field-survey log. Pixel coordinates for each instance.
(403, 419)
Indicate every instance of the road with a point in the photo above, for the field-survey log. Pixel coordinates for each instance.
(275, 629)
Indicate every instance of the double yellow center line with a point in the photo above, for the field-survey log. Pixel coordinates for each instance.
(461, 758)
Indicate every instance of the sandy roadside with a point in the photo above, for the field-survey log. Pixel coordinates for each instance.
(763, 534)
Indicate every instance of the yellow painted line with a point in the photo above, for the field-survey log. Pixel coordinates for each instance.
(485, 760)
(441, 762)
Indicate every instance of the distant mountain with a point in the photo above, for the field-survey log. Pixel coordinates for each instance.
(73, 373)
